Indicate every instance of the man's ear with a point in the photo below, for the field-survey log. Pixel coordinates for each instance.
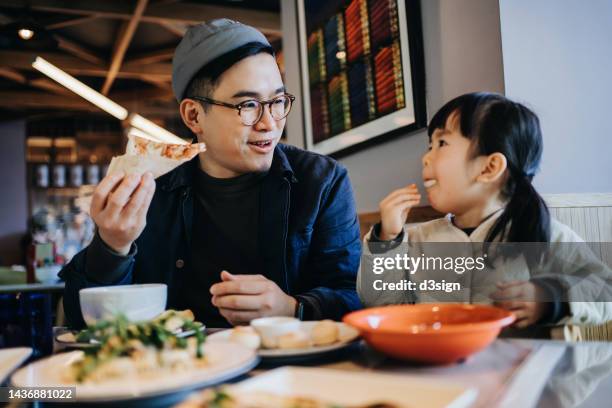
(192, 115)
(493, 168)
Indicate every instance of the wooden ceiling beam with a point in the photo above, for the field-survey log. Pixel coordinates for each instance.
(13, 75)
(71, 22)
(74, 66)
(42, 83)
(106, 9)
(190, 13)
(156, 2)
(121, 97)
(23, 100)
(78, 50)
(142, 95)
(33, 99)
(163, 85)
(123, 42)
(160, 55)
(178, 29)
(50, 85)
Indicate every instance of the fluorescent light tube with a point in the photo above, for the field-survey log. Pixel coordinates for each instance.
(154, 130)
(80, 88)
(132, 131)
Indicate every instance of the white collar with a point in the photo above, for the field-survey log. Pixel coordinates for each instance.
(480, 233)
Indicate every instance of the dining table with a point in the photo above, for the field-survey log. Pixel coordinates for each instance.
(511, 372)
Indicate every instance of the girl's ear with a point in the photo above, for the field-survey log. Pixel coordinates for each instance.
(494, 168)
(192, 114)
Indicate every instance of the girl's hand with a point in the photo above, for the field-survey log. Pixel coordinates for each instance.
(521, 298)
(394, 209)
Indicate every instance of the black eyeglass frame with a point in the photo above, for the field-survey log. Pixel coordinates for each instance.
(240, 106)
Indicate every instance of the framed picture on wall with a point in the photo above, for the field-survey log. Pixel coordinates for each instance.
(362, 72)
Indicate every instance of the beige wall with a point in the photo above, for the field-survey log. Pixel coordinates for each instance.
(558, 60)
(462, 54)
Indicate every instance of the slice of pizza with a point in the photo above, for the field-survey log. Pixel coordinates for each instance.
(146, 154)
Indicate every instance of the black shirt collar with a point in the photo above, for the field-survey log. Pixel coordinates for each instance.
(204, 183)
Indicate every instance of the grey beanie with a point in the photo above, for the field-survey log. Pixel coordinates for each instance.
(203, 43)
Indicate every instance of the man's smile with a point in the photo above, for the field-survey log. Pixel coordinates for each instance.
(262, 145)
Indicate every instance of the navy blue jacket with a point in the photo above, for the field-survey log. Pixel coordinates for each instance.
(308, 222)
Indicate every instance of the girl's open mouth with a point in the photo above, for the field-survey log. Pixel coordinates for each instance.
(430, 183)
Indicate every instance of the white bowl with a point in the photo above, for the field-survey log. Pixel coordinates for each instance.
(136, 302)
(270, 328)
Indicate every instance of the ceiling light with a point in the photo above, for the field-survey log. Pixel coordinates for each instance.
(25, 33)
(80, 88)
(132, 131)
(154, 130)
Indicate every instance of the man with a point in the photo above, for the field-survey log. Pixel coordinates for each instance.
(249, 228)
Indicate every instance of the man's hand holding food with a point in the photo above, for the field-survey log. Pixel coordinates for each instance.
(119, 208)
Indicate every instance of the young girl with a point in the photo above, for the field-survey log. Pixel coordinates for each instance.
(484, 151)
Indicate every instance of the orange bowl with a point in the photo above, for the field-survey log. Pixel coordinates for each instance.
(430, 333)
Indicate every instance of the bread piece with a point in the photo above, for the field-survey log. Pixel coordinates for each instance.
(294, 339)
(324, 333)
(247, 336)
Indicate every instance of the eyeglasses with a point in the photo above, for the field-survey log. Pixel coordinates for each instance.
(252, 110)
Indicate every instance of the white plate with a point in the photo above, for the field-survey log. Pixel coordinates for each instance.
(68, 338)
(225, 361)
(352, 389)
(11, 358)
(347, 335)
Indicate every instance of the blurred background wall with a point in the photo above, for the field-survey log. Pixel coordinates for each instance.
(558, 60)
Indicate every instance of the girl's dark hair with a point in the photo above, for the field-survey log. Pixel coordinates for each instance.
(206, 80)
(493, 123)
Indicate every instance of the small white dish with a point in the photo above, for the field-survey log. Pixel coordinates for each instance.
(136, 302)
(11, 358)
(270, 328)
(224, 362)
(347, 335)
